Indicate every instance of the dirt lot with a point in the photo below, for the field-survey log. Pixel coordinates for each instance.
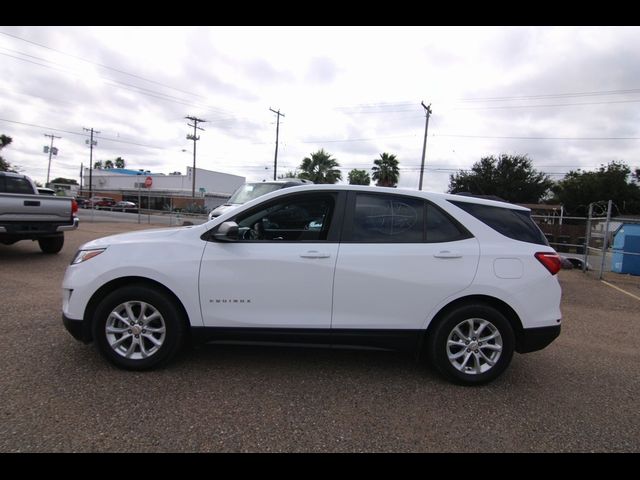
(579, 394)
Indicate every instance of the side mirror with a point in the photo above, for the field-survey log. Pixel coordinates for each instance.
(227, 232)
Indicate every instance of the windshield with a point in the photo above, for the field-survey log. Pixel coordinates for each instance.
(250, 191)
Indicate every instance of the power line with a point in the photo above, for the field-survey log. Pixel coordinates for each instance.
(553, 95)
(119, 84)
(100, 64)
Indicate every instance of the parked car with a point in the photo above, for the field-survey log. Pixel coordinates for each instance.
(83, 202)
(462, 281)
(46, 191)
(125, 206)
(27, 214)
(252, 190)
(101, 202)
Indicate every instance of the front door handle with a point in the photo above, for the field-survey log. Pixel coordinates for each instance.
(447, 254)
(314, 254)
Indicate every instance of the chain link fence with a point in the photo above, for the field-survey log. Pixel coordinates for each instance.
(604, 244)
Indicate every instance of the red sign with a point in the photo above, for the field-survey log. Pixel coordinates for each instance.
(148, 182)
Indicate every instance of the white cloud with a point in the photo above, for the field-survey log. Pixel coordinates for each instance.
(354, 91)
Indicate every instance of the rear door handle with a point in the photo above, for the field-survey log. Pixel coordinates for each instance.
(315, 254)
(447, 254)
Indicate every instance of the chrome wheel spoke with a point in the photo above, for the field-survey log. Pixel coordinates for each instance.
(470, 353)
(135, 330)
(152, 339)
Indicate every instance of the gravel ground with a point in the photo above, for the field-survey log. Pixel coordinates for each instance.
(578, 395)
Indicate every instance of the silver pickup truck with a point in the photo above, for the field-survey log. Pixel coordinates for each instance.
(27, 215)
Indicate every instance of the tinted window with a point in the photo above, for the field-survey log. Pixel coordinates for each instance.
(388, 219)
(516, 224)
(442, 228)
(296, 218)
(15, 185)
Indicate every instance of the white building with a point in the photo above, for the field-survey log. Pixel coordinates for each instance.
(211, 188)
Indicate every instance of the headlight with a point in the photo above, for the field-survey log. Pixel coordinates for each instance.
(84, 255)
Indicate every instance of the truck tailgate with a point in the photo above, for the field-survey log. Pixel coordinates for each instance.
(34, 208)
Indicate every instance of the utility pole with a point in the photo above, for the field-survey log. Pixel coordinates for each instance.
(195, 138)
(424, 144)
(52, 151)
(275, 158)
(91, 144)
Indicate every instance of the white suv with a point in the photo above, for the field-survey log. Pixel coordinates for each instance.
(464, 281)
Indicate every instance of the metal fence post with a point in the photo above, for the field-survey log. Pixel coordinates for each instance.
(587, 239)
(605, 242)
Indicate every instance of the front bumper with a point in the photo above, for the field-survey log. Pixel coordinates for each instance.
(534, 339)
(80, 329)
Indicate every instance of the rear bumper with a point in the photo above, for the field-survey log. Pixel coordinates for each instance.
(534, 339)
(64, 228)
(79, 329)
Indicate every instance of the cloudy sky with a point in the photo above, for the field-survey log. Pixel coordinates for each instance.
(568, 97)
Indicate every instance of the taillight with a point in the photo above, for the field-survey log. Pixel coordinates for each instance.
(550, 260)
(74, 206)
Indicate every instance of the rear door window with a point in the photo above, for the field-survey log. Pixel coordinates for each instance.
(388, 219)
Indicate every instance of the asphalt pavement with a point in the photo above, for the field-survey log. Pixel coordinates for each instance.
(580, 394)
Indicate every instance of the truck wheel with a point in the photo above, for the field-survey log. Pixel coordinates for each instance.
(138, 328)
(472, 345)
(51, 244)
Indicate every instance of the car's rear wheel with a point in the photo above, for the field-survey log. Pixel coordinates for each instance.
(138, 327)
(472, 344)
(51, 244)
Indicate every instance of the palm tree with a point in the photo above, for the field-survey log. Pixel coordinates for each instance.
(320, 168)
(386, 171)
(359, 177)
(119, 162)
(108, 164)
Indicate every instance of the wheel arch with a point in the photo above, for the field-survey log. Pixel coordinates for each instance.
(494, 302)
(117, 283)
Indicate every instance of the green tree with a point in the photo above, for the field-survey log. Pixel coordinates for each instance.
(320, 168)
(119, 162)
(611, 182)
(359, 177)
(289, 174)
(66, 181)
(510, 177)
(98, 165)
(385, 169)
(5, 166)
(108, 164)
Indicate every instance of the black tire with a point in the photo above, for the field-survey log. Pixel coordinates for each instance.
(125, 345)
(468, 359)
(51, 244)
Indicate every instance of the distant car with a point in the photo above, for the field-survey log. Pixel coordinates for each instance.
(125, 206)
(575, 262)
(101, 202)
(250, 191)
(82, 202)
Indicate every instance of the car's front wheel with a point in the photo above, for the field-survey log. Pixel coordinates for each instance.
(138, 328)
(472, 344)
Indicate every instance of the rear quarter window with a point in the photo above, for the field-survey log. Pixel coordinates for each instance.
(515, 224)
(15, 185)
